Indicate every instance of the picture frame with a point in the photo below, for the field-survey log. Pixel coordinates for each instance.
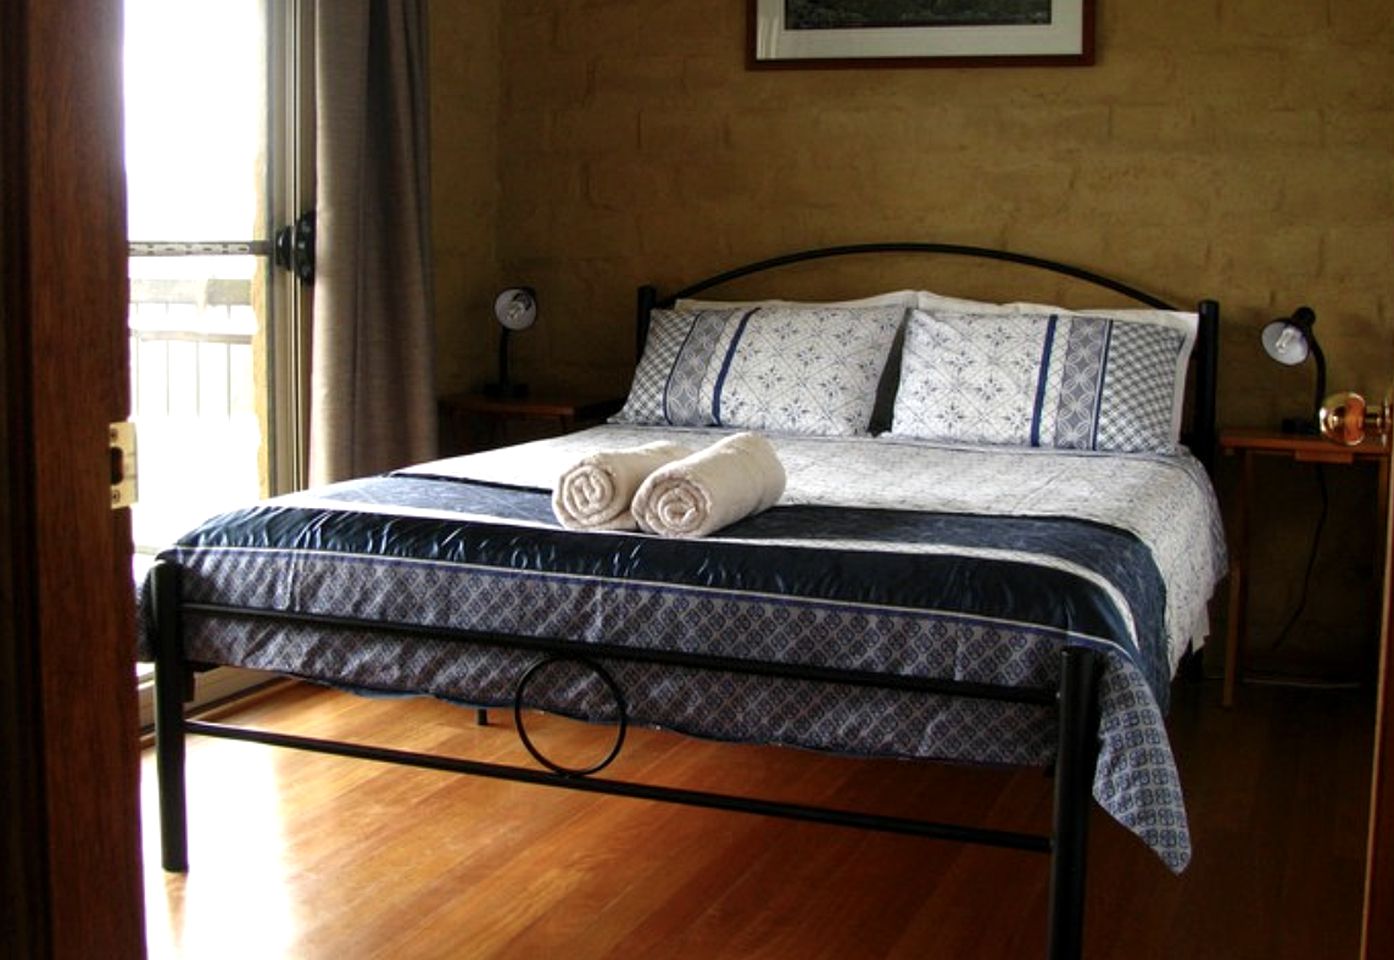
(919, 33)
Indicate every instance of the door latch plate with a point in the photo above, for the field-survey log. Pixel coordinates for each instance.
(121, 453)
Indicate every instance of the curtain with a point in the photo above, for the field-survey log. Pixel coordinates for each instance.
(372, 391)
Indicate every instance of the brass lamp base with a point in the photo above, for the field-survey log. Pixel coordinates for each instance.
(1348, 419)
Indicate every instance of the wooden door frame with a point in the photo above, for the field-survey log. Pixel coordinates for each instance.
(69, 754)
(1377, 942)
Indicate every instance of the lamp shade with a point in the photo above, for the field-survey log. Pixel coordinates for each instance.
(516, 308)
(1285, 343)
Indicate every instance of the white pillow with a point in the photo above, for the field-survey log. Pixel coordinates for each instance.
(931, 302)
(896, 298)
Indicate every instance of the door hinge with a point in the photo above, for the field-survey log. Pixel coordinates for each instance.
(121, 453)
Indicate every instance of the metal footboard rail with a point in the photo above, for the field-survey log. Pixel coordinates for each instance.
(1042, 696)
(639, 791)
(1076, 757)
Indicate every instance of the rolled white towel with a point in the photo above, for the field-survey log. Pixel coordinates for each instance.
(692, 497)
(596, 492)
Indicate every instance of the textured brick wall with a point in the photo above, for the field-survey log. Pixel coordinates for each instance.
(1241, 149)
(466, 79)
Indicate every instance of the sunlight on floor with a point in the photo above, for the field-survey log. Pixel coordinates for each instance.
(240, 828)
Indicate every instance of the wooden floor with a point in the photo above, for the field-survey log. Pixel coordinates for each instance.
(307, 856)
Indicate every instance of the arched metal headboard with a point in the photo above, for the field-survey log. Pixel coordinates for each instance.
(1204, 356)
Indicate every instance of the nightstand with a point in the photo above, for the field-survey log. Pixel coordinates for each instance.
(471, 422)
(1250, 444)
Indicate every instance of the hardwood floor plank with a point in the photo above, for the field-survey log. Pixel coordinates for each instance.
(311, 856)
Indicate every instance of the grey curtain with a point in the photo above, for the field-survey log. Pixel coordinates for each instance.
(372, 391)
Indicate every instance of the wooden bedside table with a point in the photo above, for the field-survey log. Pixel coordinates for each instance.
(471, 422)
(1303, 448)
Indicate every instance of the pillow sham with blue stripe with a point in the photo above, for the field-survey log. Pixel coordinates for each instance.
(797, 369)
(1040, 380)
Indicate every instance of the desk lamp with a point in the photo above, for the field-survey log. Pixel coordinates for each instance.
(515, 309)
(1289, 340)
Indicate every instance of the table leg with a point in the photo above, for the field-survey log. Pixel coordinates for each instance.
(1236, 637)
(1236, 577)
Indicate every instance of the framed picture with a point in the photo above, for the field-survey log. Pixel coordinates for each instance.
(883, 33)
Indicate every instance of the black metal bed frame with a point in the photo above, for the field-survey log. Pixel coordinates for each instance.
(1075, 694)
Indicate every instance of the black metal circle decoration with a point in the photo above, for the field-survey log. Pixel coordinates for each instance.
(621, 727)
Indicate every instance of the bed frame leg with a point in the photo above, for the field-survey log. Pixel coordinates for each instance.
(1075, 762)
(481, 716)
(171, 684)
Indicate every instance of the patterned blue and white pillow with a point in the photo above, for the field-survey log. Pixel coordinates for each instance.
(799, 369)
(676, 356)
(805, 369)
(1040, 380)
(1187, 322)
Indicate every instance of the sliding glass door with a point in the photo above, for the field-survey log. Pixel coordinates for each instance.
(215, 156)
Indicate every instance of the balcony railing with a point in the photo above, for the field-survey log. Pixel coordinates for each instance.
(193, 398)
(191, 348)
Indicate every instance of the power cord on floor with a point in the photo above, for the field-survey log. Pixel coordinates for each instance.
(1311, 560)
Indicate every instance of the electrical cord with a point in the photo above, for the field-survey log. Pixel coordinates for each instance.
(1311, 560)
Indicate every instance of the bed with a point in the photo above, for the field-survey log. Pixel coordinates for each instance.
(996, 545)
